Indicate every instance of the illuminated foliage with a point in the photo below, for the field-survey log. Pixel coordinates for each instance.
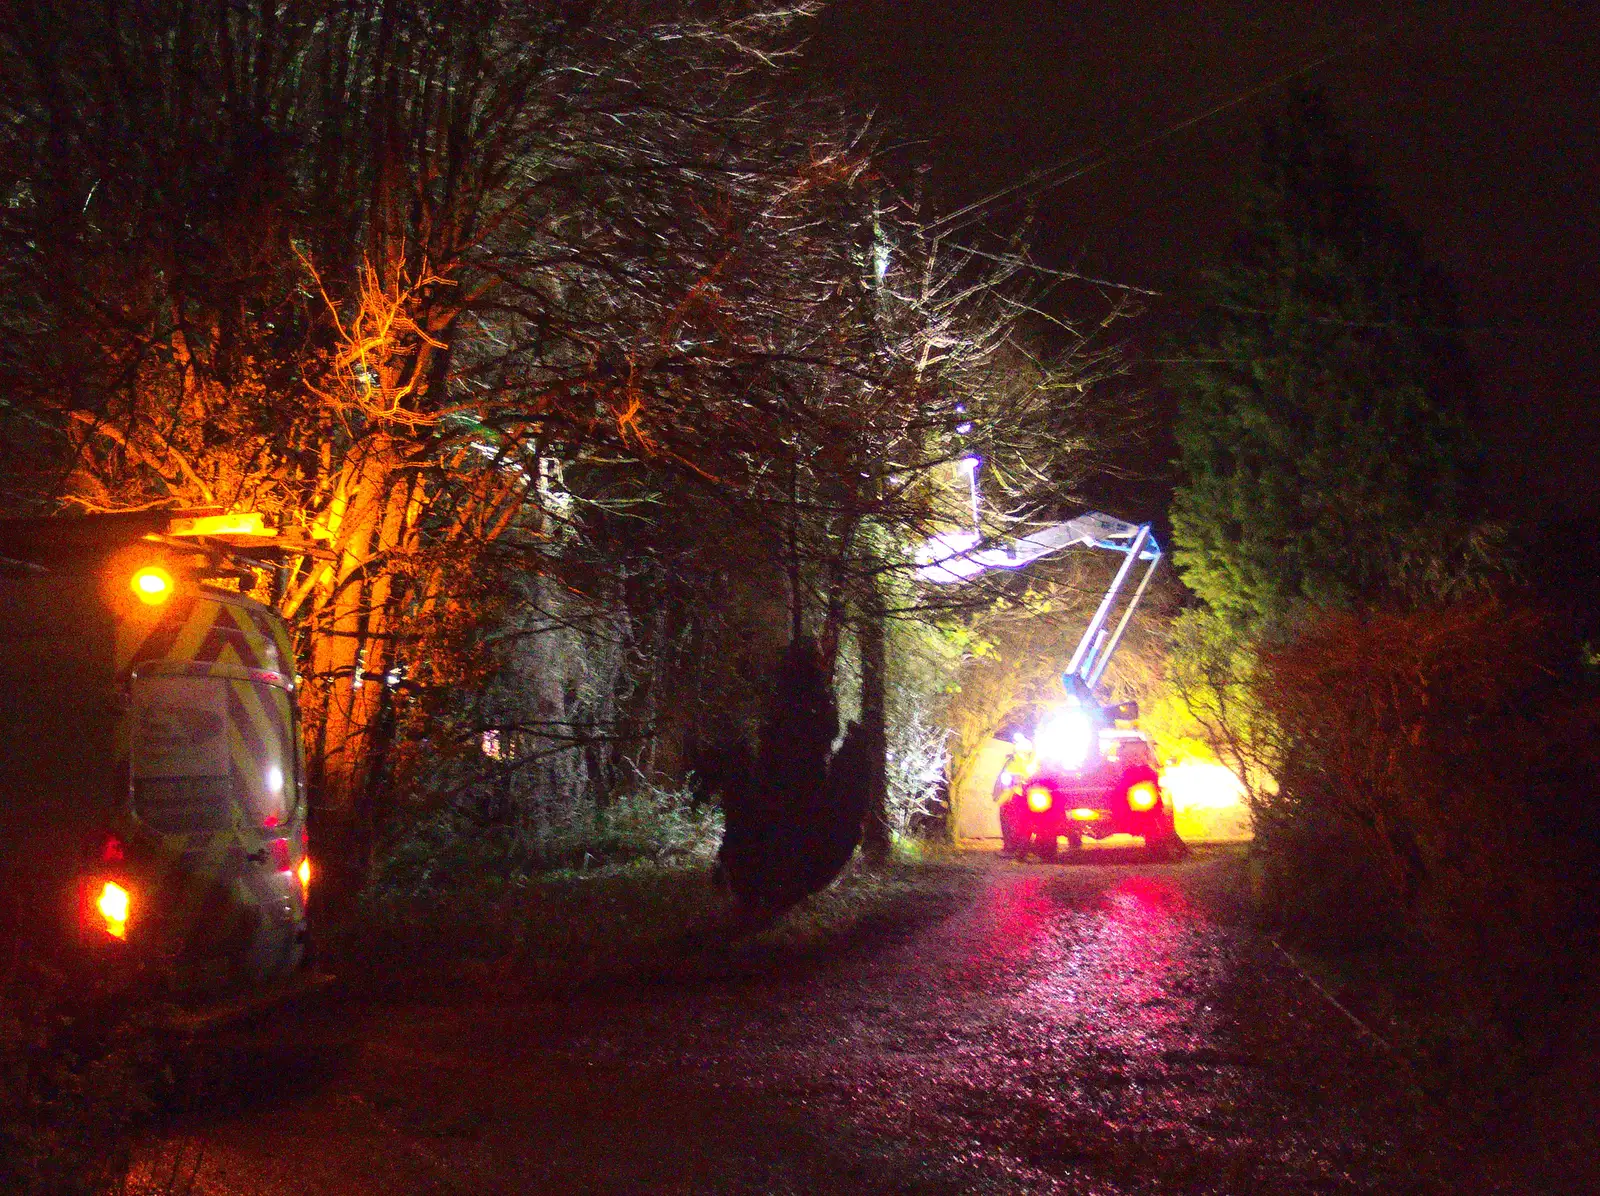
(373, 271)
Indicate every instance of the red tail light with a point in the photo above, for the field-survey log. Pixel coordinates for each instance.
(113, 904)
(1038, 799)
(280, 854)
(1142, 796)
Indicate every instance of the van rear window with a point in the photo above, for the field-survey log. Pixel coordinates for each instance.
(183, 805)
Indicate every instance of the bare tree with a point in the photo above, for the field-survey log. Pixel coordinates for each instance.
(367, 270)
(460, 291)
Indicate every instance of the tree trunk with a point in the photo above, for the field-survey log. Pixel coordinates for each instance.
(871, 634)
(346, 702)
(378, 656)
(797, 619)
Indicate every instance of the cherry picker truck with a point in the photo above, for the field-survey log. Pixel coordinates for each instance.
(1073, 772)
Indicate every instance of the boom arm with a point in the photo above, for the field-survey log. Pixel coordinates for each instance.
(959, 556)
(1094, 650)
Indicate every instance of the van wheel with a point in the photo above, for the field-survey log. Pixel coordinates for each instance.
(1075, 840)
(1045, 845)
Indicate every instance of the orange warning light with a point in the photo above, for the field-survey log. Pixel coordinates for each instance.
(152, 585)
(113, 906)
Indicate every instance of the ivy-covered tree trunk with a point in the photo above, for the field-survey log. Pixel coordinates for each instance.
(871, 634)
(789, 832)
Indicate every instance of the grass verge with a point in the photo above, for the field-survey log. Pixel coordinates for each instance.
(618, 923)
(1515, 1070)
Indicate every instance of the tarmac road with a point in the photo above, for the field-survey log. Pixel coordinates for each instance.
(1103, 1026)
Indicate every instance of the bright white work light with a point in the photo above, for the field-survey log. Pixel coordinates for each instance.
(1066, 738)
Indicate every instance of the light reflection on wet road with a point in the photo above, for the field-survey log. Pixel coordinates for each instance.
(1071, 1028)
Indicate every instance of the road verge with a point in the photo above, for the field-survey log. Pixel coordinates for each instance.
(570, 929)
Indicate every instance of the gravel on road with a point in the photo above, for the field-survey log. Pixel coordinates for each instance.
(1104, 1025)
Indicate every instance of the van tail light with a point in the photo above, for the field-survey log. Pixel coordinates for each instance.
(283, 861)
(1142, 796)
(113, 905)
(1038, 799)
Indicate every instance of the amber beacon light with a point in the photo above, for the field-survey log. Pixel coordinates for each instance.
(152, 585)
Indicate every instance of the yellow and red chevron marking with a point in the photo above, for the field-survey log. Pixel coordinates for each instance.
(260, 728)
(139, 639)
(205, 899)
(196, 882)
(205, 631)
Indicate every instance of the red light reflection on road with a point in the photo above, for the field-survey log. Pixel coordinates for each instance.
(1121, 973)
(1016, 921)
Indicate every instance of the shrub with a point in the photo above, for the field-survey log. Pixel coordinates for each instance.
(527, 834)
(919, 759)
(1436, 781)
(72, 1086)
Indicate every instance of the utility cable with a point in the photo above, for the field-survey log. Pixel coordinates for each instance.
(1043, 180)
(1191, 296)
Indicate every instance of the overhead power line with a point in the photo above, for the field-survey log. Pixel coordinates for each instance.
(1188, 295)
(1079, 165)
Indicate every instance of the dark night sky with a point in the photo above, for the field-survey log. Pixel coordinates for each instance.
(1480, 119)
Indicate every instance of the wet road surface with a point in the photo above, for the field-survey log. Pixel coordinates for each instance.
(1111, 1026)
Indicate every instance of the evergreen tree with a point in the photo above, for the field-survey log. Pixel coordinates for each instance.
(788, 829)
(1323, 426)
